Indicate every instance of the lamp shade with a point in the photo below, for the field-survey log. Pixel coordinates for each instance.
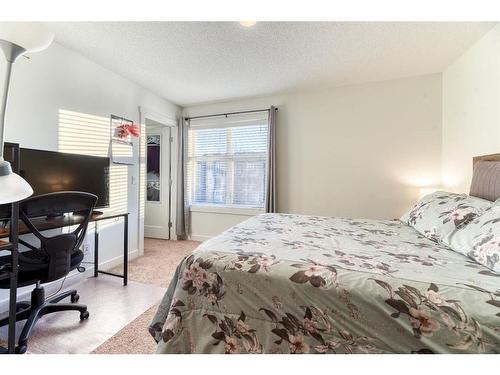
(14, 188)
(32, 36)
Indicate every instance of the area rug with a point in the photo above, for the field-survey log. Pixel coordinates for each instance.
(157, 266)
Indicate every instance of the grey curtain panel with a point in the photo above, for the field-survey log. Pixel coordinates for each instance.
(271, 203)
(182, 213)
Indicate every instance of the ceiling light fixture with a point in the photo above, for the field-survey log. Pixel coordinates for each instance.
(248, 23)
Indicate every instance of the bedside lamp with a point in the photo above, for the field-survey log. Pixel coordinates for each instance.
(16, 38)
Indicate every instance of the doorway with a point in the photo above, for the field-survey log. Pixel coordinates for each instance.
(158, 189)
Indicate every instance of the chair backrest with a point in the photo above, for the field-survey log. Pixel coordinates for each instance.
(57, 249)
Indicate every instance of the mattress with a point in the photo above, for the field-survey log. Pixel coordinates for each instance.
(281, 283)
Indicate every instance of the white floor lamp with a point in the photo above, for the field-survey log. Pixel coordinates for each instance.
(16, 38)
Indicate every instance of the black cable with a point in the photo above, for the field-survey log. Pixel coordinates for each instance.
(62, 284)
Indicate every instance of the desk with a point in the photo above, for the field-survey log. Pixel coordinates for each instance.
(73, 219)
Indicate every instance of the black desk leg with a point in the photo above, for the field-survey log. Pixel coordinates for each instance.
(96, 250)
(125, 250)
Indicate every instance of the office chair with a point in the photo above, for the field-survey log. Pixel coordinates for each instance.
(52, 260)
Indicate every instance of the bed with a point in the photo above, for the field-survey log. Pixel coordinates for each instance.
(280, 283)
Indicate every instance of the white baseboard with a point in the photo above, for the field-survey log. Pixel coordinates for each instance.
(73, 278)
(113, 262)
(201, 238)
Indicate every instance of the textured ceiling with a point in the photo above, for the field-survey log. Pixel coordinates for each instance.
(197, 62)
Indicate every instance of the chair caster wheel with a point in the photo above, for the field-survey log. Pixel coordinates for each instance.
(21, 349)
(84, 315)
(75, 298)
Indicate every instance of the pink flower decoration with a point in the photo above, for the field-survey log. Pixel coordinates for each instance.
(123, 131)
(134, 130)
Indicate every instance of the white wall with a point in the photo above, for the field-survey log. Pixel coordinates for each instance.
(207, 222)
(357, 151)
(61, 79)
(471, 110)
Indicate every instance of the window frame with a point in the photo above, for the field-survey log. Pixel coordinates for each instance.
(230, 159)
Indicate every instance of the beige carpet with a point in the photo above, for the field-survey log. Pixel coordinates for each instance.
(157, 267)
(159, 261)
(133, 339)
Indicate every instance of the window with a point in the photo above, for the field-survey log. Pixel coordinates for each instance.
(227, 161)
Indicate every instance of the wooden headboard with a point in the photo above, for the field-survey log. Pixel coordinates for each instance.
(486, 177)
(491, 157)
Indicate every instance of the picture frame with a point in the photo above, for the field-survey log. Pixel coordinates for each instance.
(121, 146)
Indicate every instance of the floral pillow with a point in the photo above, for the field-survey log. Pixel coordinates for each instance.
(438, 215)
(480, 239)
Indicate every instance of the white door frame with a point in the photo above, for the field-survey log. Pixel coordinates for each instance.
(146, 113)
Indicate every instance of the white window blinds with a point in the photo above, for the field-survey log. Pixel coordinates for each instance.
(227, 160)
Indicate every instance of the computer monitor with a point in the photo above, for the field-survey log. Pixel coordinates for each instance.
(50, 171)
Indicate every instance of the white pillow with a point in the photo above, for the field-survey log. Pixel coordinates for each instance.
(480, 239)
(438, 215)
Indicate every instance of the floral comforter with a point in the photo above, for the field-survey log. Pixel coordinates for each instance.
(307, 284)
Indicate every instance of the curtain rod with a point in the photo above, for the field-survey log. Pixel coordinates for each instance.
(229, 113)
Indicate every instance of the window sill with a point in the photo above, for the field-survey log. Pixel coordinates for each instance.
(230, 210)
